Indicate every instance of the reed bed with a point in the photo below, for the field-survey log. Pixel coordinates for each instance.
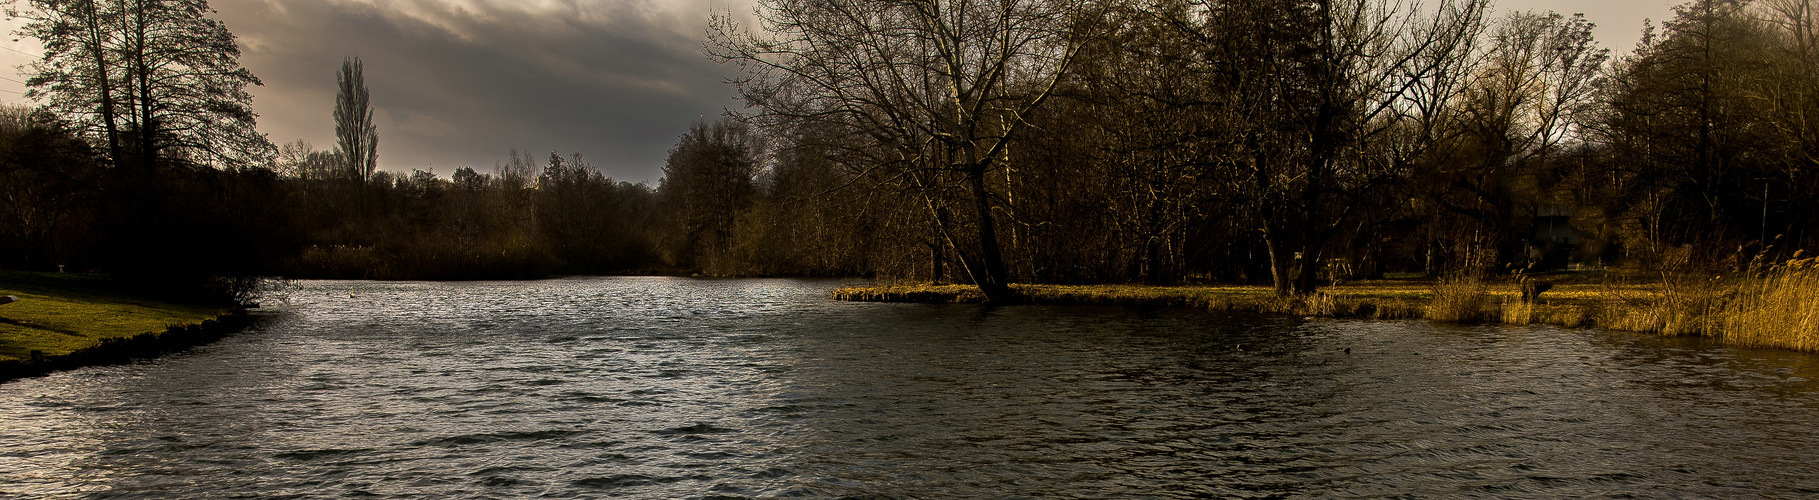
(1777, 308)
(1458, 300)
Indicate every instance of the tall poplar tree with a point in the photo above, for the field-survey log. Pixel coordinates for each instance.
(356, 137)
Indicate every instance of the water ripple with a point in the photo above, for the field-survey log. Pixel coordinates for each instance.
(675, 388)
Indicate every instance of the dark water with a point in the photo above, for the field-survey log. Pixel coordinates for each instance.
(672, 388)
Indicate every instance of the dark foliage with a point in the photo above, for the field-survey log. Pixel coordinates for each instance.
(1289, 142)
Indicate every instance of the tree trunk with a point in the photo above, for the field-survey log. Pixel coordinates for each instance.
(990, 274)
(1272, 237)
(142, 68)
(1279, 261)
(104, 81)
(1307, 281)
(934, 273)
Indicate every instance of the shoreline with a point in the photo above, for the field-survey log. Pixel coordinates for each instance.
(125, 349)
(70, 320)
(1654, 308)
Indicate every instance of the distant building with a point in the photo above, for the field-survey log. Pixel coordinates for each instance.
(1556, 243)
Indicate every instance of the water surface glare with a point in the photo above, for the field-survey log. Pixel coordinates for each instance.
(680, 388)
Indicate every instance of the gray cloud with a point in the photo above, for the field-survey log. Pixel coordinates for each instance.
(460, 83)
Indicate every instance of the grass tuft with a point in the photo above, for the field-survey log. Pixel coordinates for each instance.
(1458, 300)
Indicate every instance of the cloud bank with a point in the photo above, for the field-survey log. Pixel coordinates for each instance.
(461, 82)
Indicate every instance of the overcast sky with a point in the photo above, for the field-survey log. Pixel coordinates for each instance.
(461, 82)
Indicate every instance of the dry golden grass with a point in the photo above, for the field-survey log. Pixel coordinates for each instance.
(1778, 307)
(1516, 312)
(1458, 300)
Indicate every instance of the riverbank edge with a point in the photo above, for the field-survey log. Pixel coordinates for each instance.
(1239, 299)
(1609, 310)
(125, 349)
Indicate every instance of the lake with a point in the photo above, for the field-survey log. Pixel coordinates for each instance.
(650, 387)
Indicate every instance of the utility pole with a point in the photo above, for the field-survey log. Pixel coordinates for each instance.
(1764, 236)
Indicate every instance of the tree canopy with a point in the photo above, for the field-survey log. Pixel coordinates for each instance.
(154, 80)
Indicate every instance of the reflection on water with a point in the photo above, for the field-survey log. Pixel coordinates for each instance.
(665, 388)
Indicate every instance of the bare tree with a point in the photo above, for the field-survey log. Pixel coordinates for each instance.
(76, 75)
(1317, 92)
(1789, 95)
(930, 92)
(1142, 119)
(1680, 117)
(1523, 99)
(154, 80)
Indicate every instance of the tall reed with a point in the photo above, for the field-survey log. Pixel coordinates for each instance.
(1776, 307)
(1517, 312)
(1686, 302)
(1458, 299)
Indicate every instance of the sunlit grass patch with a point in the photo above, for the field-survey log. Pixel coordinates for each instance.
(1376, 300)
(922, 293)
(61, 313)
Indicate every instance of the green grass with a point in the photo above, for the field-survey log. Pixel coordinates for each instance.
(61, 313)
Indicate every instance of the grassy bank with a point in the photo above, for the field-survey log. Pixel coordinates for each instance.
(59, 314)
(1773, 307)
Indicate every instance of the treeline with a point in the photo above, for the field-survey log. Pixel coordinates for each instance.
(1290, 142)
(526, 220)
(721, 209)
(178, 229)
(142, 159)
(311, 214)
(1295, 142)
